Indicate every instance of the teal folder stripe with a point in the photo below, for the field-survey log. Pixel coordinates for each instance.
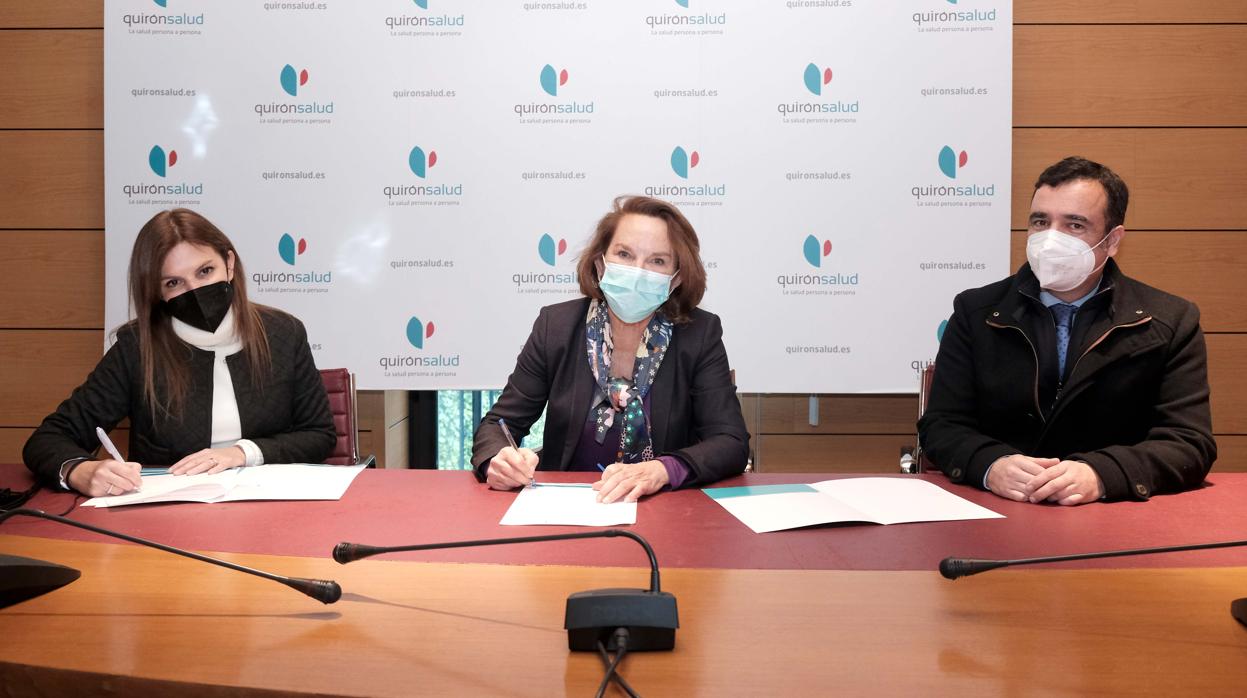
(729, 492)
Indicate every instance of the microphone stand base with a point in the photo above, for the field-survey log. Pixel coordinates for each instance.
(650, 617)
(24, 578)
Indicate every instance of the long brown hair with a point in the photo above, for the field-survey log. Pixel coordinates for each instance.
(163, 355)
(683, 242)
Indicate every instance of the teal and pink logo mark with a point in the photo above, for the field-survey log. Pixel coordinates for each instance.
(682, 3)
(418, 331)
(292, 80)
(159, 162)
(552, 80)
(161, 3)
(939, 331)
(549, 250)
(815, 79)
(951, 161)
(815, 250)
(422, 4)
(289, 249)
(683, 161)
(420, 163)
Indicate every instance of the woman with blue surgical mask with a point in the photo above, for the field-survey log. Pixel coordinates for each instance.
(633, 377)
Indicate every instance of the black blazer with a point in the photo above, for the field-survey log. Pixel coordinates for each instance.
(288, 417)
(694, 412)
(1134, 403)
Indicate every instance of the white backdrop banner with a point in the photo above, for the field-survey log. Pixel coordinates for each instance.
(414, 179)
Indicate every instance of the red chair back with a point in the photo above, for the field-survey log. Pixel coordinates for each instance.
(340, 385)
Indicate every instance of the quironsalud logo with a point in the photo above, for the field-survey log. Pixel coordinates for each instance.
(303, 111)
(828, 110)
(304, 280)
(815, 78)
(549, 250)
(421, 163)
(951, 161)
(801, 282)
(561, 111)
(289, 250)
(552, 80)
(292, 80)
(423, 364)
(682, 161)
(159, 162)
(815, 251)
(418, 331)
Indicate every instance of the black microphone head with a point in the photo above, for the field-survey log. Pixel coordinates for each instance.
(325, 591)
(957, 567)
(349, 552)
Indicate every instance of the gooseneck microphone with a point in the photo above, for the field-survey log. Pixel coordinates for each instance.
(649, 616)
(957, 567)
(39, 577)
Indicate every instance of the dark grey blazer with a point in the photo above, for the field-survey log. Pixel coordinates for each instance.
(288, 416)
(694, 412)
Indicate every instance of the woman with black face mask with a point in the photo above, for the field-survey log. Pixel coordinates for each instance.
(209, 380)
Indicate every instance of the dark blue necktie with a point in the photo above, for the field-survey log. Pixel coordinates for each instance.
(1063, 314)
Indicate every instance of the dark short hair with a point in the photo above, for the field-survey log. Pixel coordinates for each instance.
(683, 242)
(1074, 168)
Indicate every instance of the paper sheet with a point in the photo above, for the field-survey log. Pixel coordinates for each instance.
(566, 505)
(277, 481)
(881, 500)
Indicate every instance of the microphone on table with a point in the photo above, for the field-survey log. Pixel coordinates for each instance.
(649, 616)
(25, 578)
(957, 567)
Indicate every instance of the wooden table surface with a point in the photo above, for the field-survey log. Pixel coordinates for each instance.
(142, 622)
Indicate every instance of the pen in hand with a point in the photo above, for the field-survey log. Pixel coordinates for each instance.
(108, 445)
(502, 423)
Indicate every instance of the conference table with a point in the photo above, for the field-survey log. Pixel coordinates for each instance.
(847, 609)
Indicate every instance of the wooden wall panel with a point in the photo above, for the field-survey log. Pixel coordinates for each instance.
(52, 79)
(1142, 76)
(1179, 178)
(41, 368)
(52, 279)
(51, 15)
(1231, 455)
(52, 179)
(1227, 374)
(1110, 11)
(839, 414)
(1206, 268)
(822, 453)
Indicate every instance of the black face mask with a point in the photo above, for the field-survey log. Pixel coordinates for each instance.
(204, 307)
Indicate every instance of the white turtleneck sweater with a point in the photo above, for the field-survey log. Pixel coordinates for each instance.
(226, 423)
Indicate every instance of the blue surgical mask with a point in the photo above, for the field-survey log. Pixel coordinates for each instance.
(632, 292)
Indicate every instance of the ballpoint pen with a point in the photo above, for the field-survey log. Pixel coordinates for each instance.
(502, 423)
(108, 446)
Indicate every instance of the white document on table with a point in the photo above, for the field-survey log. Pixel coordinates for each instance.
(560, 504)
(279, 481)
(881, 500)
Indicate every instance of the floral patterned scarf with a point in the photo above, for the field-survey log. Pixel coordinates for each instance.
(623, 396)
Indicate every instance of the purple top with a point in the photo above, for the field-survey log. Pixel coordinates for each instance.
(590, 454)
